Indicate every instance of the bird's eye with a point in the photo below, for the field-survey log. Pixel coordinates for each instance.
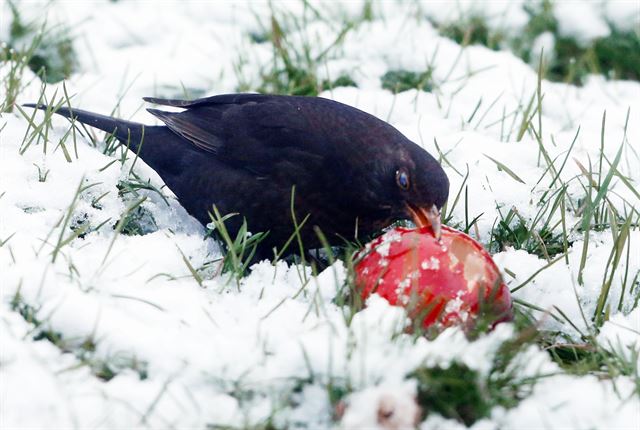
(402, 179)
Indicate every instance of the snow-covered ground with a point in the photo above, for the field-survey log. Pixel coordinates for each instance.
(264, 350)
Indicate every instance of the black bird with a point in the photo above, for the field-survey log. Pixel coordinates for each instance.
(353, 173)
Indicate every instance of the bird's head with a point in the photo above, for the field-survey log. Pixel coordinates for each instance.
(405, 182)
(421, 187)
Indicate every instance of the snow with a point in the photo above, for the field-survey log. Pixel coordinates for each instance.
(572, 410)
(396, 404)
(590, 25)
(504, 15)
(621, 334)
(557, 287)
(623, 14)
(543, 44)
(230, 353)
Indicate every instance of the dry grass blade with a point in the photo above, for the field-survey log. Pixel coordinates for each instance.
(503, 167)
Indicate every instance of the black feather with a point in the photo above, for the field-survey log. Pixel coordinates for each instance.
(245, 152)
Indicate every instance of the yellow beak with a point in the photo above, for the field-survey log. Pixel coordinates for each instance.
(426, 217)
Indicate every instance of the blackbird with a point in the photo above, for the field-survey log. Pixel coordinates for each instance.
(352, 174)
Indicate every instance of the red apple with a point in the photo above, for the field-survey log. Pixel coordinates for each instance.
(451, 281)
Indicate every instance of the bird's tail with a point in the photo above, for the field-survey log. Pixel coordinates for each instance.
(127, 132)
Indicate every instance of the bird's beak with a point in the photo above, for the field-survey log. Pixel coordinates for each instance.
(426, 217)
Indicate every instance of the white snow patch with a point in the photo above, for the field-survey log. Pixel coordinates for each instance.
(621, 334)
(580, 20)
(383, 407)
(623, 14)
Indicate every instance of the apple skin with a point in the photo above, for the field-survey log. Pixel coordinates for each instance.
(451, 281)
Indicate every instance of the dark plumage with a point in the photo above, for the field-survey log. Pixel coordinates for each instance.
(353, 173)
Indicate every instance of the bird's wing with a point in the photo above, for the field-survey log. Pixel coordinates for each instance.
(252, 131)
(196, 128)
(219, 99)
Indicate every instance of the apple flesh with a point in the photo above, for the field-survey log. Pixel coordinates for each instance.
(451, 281)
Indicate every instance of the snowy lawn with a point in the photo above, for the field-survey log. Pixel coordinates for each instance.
(114, 312)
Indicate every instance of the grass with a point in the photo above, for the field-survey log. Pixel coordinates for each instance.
(238, 251)
(614, 56)
(516, 232)
(139, 221)
(84, 349)
(46, 50)
(295, 66)
(472, 30)
(564, 218)
(452, 392)
(398, 81)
